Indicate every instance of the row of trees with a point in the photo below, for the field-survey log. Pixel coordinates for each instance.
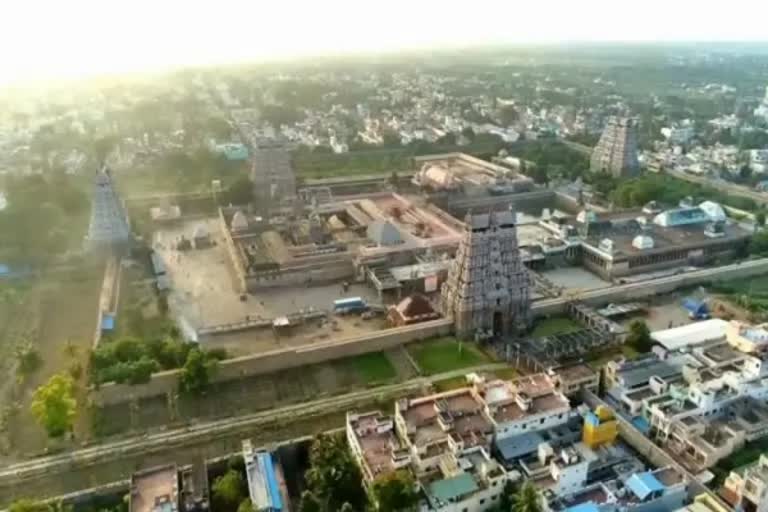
(133, 361)
(54, 404)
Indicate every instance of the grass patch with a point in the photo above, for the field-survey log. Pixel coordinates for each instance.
(507, 373)
(450, 384)
(555, 325)
(446, 354)
(372, 367)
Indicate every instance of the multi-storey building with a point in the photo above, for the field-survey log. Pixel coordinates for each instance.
(746, 488)
(488, 288)
(616, 152)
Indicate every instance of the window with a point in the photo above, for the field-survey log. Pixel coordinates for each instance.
(494, 483)
(482, 501)
(541, 421)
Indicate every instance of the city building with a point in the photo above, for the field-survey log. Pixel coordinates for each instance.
(616, 151)
(704, 503)
(614, 245)
(762, 110)
(701, 403)
(108, 227)
(681, 133)
(746, 488)
(155, 490)
(488, 288)
(266, 485)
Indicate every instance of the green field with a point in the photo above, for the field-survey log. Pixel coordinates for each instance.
(554, 325)
(450, 384)
(507, 373)
(372, 367)
(446, 354)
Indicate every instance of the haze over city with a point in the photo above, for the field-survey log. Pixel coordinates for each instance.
(409, 256)
(44, 39)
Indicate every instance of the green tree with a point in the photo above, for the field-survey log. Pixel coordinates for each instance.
(507, 497)
(238, 193)
(759, 220)
(28, 505)
(228, 490)
(245, 506)
(334, 478)
(526, 499)
(395, 492)
(196, 373)
(54, 405)
(639, 336)
(309, 503)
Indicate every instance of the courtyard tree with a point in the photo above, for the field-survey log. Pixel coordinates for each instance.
(526, 499)
(639, 336)
(196, 373)
(228, 490)
(245, 506)
(333, 477)
(54, 405)
(309, 503)
(395, 492)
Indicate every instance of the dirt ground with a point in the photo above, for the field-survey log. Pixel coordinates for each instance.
(664, 312)
(203, 292)
(67, 316)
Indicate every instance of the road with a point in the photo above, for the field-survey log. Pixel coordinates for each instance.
(99, 465)
(723, 186)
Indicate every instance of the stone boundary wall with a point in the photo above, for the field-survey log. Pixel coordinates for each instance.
(234, 257)
(661, 286)
(268, 362)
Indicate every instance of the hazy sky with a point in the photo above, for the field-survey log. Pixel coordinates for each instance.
(55, 38)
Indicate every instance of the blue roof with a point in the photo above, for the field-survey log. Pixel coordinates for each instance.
(644, 484)
(695, 305)
(4, 269)
(272, 486)
(641, 424)
(517, 446)
(107, 322)
(450, 489)
(583, 507)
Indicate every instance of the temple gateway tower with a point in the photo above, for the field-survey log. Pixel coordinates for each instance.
(109, 227)
(488, 287)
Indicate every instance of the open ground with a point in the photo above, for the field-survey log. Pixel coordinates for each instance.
(57, 316)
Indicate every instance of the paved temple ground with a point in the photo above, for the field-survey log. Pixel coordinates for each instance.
(575, 278)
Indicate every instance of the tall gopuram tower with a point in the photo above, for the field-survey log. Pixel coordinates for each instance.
(488, 287)
(109, 227)
(616, 151)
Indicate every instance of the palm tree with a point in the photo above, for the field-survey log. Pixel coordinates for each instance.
(526, 499)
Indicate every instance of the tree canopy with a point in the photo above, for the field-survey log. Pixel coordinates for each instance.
(196, 372)
(526, 499)
(333, 478)
(639, 336)
(229, 490)
(395, 492)
(54, 405)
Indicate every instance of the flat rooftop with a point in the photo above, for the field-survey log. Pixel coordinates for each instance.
(664, 238)
(378, 442)
(155, 490)
(459, 408)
